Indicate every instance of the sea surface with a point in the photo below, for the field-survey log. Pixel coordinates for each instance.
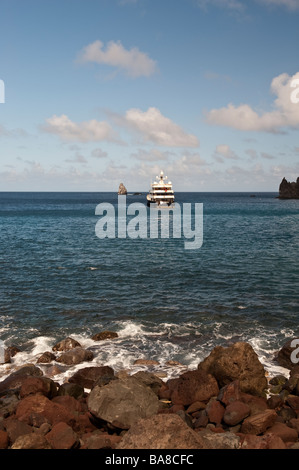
(166, 302)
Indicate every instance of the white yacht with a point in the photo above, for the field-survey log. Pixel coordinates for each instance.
(161, 193)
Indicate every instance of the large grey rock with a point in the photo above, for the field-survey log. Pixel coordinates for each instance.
(122, 402)
(236, 362)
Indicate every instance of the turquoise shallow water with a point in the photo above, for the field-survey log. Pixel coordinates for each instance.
(57, 278)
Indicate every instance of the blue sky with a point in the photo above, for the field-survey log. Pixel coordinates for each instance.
(99, 92)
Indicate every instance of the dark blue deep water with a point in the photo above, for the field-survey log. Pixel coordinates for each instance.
(58, 279)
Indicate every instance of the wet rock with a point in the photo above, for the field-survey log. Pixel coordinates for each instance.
(164, 431)
(75, 356)
(10, 352)
(46, 358)
(66, 344)
(284, 354)
(122, 402)
(236, 362)
(104, 335)
(8, 404)
(88, 376)
(193, 386)
(62, 436)
(278, 380)
(259, 423)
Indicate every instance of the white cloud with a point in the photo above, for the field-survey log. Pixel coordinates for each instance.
(224, 151)
(230, 4)
(290, 4)
(89, 131)
(134, 62)
(99, 153)
(285, 113)
(158, 129)
(151, 155)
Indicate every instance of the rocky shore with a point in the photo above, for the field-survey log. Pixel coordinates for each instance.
(228, 402)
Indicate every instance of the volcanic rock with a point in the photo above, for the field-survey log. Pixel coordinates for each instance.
(104, 335)
(122, 189)
(193, 386)
(122, 402)
(66, 344)
(238, 361)
(88, 376)
(284, 355)
(75, 356)
(288, 190)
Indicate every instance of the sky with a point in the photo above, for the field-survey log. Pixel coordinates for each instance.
(98, 92)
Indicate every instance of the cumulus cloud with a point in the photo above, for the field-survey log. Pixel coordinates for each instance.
(158, 129)
(132, 61)
(89, 131)
(285, 113)
(224, 151)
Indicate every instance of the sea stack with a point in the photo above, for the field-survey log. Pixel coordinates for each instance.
(122, 189)
(289, 190)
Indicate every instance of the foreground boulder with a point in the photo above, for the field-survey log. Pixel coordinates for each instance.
(193, 386)
(122, 402)
(236, 362)
(163, 431)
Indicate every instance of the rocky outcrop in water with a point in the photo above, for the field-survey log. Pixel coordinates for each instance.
(122, 189)
(289, 190)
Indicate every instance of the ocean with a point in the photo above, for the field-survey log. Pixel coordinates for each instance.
(167, 303)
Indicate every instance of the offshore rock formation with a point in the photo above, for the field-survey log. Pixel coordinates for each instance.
(289, 190)
(122, 189)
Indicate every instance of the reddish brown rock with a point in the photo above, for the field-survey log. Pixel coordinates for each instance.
(235, 412)
(229, 393)
(4, 440)
(215, 411)
(62, 436)
(294, 423)
(256, 404)
(70, 404)
(53, 412)
(196, 406)
(16, 428)
(201, 419)
(259, 423)
(236, 362)
(193, 386)
(33, 385)
(283, 431)
(268, 441)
